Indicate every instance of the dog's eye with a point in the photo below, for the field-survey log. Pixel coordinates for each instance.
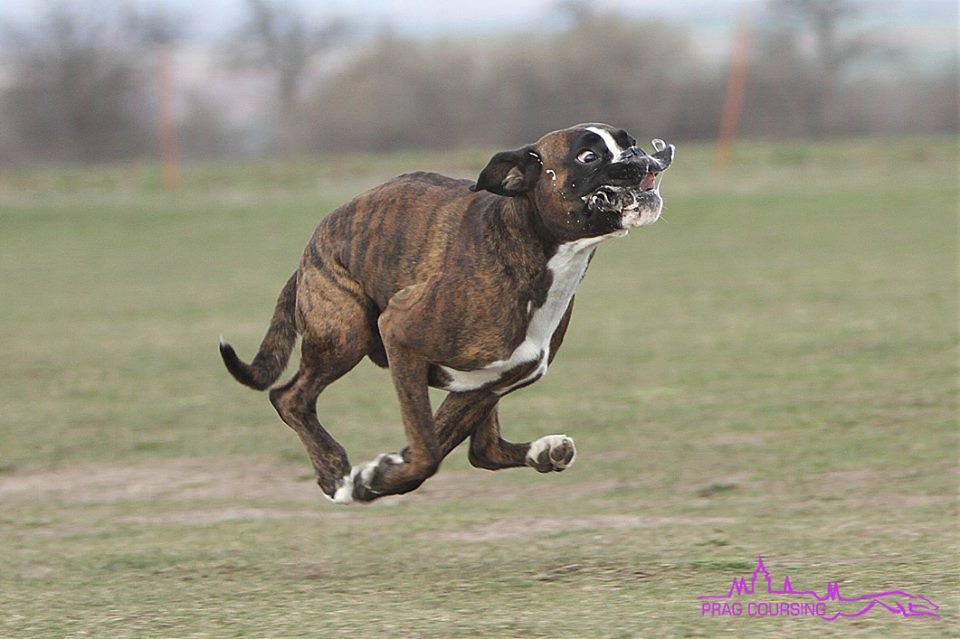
(587, 157)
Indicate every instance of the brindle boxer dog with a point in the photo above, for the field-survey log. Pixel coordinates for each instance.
(463, 287)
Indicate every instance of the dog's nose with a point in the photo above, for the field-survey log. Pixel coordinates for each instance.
(639, 158)
(656, 163)
(663, 153)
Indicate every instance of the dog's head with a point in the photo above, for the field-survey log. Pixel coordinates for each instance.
(585, 181)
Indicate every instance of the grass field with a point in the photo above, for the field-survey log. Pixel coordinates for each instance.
(771, 369)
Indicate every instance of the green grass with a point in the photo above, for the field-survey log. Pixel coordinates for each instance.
(772, 369)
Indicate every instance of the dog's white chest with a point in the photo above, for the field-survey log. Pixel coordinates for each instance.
(567, 266)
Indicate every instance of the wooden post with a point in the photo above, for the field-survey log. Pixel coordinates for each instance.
(736, 83)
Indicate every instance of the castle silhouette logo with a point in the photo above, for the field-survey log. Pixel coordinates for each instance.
(758, 598)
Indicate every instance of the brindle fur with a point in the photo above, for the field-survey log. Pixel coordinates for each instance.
(422, 272)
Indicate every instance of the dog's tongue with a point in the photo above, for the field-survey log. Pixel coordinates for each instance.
(649, 181)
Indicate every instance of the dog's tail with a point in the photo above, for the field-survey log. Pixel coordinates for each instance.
(275, 348)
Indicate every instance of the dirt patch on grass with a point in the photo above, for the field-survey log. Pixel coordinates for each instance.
(597, 571)
(519, 527)
(740, 440)
(186, 479)
(520, 484)
(209, 517)
(262, 478)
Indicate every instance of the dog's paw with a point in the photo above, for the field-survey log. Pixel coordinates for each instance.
(357, 485)
(553, 453)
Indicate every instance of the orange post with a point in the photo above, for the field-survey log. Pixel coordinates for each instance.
(736, 83)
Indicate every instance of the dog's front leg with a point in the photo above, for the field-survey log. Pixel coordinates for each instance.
(423, 453)
(460, 415)
(393, 473)
(398, 473)
(488, 449)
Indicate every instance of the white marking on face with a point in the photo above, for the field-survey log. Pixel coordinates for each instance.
(568, 266)
(615, 149)
(549, 443)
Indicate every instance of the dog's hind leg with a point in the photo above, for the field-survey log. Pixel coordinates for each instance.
(337, 324)
(488, 449)
(296, 404)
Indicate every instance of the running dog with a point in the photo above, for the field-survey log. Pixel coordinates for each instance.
(466, 287)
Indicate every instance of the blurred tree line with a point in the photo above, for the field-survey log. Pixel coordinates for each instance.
(81, 83)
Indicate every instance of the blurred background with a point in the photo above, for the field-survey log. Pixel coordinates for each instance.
(115, 80)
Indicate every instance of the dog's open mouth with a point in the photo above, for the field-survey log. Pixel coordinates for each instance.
(635, 206)
(619, 199)
(636, 199)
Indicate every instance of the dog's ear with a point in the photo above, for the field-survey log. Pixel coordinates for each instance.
(510, 173)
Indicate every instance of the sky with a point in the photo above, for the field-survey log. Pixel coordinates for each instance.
(926, 28)
(416, 17)
(452, 18)
(438, 17)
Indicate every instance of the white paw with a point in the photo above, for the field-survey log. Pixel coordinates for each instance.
(359, 478)
(344, 492)
(553, 453)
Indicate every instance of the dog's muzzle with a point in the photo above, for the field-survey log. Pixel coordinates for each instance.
(631, 187)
